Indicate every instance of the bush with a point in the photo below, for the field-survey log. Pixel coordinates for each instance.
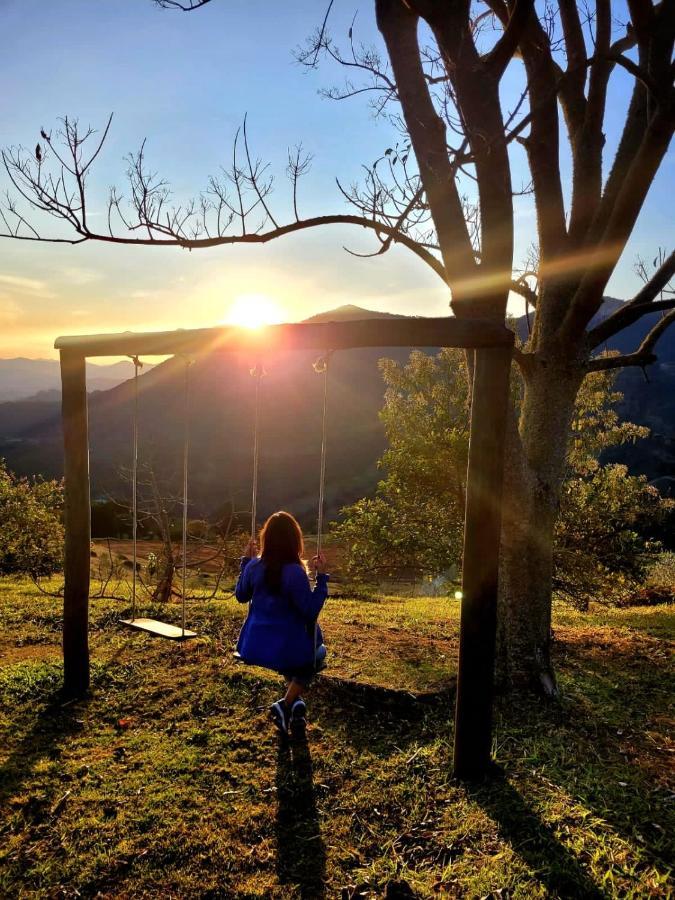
(31, 530)
(413, 525)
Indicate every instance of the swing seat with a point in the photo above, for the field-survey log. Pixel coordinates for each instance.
(159, 629)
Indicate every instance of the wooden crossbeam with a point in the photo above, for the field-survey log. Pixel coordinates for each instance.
(446, 331)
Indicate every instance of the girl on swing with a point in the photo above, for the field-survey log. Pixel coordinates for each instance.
(281, 630)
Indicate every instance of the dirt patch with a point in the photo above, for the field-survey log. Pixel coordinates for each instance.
(9, 655)
(359, 641)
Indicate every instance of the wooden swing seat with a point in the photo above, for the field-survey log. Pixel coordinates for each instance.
(159, 629)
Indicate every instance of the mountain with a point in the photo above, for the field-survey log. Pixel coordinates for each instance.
(221, 411)
(221, 421)
(22, 378)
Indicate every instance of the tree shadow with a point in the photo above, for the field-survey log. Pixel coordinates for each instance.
(599, 747)
(379, 719)
(301, 854)
(535, 841)
(53, 724)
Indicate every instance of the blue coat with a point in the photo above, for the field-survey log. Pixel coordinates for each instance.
(279, 630)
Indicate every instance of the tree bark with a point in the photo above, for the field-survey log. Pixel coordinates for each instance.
(535, 467)
(164, 588)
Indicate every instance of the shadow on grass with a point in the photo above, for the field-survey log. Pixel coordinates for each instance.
(608, 743)
(378, 719)
(56, 721)
(535, 842)
(301, 855)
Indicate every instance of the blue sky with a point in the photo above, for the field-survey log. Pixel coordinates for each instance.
(185, 82)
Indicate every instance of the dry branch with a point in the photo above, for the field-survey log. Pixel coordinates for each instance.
(643, 356)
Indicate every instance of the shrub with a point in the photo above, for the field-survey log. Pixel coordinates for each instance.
(31, 530)
(413, 524)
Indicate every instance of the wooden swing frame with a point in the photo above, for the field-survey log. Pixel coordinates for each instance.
(493, 346)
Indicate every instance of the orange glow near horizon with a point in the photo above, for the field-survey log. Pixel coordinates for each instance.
(254, 311)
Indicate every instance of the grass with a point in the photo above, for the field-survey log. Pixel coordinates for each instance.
(169, 781)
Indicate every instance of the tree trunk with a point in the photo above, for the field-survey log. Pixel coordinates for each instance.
(535, 467)
(164, 589)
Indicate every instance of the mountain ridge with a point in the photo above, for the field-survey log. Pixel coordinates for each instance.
(221, 412)
(22, 378)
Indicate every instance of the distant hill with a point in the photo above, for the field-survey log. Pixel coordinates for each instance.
(221, 414)
(221, 420)
(22, 378)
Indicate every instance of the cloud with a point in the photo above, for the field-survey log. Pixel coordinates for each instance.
(80, 276)
(31, 286)
(10, 312)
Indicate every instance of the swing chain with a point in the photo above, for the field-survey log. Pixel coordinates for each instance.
(151, 625)
(258, 372)
(189, 361)
(134, 489)
(320, 366)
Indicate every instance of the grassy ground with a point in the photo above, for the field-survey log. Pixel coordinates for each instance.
(169, 781)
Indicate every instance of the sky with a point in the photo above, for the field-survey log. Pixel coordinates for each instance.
(185, 82)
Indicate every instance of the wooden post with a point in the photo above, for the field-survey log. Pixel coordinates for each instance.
(77, 522)
(482, 532)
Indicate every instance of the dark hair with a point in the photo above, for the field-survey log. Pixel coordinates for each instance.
(280, 543)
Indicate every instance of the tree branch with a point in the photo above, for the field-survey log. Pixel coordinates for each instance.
(642, 304)
(261, 237)
(644, 142)
(501, 54)
(185, 7)
(587, 142)
(658, 282)
(542, 144)
(643, 356)
(620, 220)
(522, 287)
(575, 45)
(398, 26)
(198, 225)
(476, 96)
(623, 318)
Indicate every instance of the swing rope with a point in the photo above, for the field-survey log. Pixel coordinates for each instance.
(134, 489)
(321, 368)
(186, 452)
(154, 626)
(258, 372)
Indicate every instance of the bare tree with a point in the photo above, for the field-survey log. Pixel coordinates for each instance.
(213, 545)
(444, 190)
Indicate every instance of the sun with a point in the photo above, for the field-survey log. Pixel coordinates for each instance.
(254, 311)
